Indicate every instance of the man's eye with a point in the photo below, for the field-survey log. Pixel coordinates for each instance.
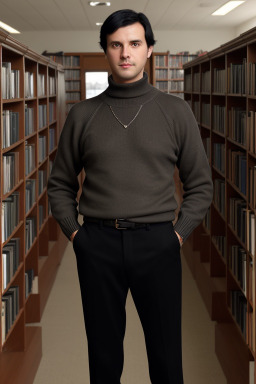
(135, 44)
(115, 45)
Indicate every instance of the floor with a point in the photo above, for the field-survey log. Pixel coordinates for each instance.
(65, 358)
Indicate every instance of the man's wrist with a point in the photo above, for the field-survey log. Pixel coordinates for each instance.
(180, 238)
(73, 235)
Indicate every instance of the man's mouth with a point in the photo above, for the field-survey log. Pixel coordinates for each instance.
(125, 65)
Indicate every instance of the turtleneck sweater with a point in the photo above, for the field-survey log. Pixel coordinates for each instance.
(129, 171)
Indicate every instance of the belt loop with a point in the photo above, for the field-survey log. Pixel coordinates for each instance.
(148, 227)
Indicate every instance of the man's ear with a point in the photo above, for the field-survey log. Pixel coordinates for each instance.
(150, 50)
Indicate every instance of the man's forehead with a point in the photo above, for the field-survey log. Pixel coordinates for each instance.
(134, 32)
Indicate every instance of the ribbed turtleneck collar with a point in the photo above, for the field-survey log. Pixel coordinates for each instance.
(138, 92)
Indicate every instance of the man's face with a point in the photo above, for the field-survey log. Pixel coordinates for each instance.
(127, 53)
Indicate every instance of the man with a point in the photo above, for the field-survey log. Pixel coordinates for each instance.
(128, 140)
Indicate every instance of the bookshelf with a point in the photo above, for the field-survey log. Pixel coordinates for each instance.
(32, 244)
(220, 88)
(168, 74)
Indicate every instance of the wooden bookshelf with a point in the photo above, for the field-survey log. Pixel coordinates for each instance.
(32, 244)
(220, 88)
(168, 73)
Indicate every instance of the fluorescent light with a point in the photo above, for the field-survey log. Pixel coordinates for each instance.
(99, 24)
(228, 7)
(98, 3)
(8, 28)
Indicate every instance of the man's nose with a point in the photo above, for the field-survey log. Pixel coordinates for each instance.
(125, 52)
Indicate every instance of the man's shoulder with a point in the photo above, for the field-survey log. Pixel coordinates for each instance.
(85, 107)
(171, 105)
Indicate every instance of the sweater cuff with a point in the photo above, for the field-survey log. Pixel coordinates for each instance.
(69, 225)
(184, 226)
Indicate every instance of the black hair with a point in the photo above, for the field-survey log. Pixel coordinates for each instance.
(123, 18)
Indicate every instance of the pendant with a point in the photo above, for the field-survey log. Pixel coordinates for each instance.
(125, 126)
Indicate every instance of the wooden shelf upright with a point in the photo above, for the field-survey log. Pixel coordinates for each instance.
(220, 87)
(31, 102)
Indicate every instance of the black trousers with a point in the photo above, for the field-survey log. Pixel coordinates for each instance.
(146, 261)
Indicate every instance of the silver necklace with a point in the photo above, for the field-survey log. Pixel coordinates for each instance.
(124, 125)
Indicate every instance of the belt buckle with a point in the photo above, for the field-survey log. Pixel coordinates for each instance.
(117, 225)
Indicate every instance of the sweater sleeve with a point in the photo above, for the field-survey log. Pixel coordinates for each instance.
(63, 182)
(194, 170)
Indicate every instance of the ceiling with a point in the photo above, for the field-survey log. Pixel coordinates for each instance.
(77, 15)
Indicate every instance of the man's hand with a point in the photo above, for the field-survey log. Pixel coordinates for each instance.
(180, 238)
(73, 235)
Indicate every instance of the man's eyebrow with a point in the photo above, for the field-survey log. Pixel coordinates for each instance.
(119, 42)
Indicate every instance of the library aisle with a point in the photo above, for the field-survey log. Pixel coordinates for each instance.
(65, 360)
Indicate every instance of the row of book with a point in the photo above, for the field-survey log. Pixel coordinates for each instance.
(52, 114)
(237, 169)
(51, 139)
(252, 79)
(161, 74)
(29, 84)
(176, 74)
(219, 195)
(187, 81)
(10, 81)
(29, 120)
(196, 82)
(30, 161)
(73, 96)
(30, 232)
(52, 86)
(252, 131)
(206, 114)
(196, 110)
(9, 310)
(220, 243)
(238, 305)
(219, 156)
(71, 61)
(72, 86)
(31, 283)
(42, 180)
(41, 90)
(252, 187)
(30, 194)
(10, 261)
(251, 232)
(162, 86)
(238, 217)
(219, 118)
(72, 74)
(237, 78)
(176, 86)
(177, 61)
(10, 133)
(219, 80)
(237, 265)
(10, 215)
(42, 115)
(206, 82)
(42, 151)
(10, 171)
(237, 125)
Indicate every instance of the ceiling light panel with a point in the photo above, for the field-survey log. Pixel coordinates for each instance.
(226, 8)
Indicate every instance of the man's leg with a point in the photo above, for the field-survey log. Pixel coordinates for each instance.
(155, 284)
(104, 290)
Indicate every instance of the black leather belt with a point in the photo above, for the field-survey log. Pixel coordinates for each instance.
(116, 223)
